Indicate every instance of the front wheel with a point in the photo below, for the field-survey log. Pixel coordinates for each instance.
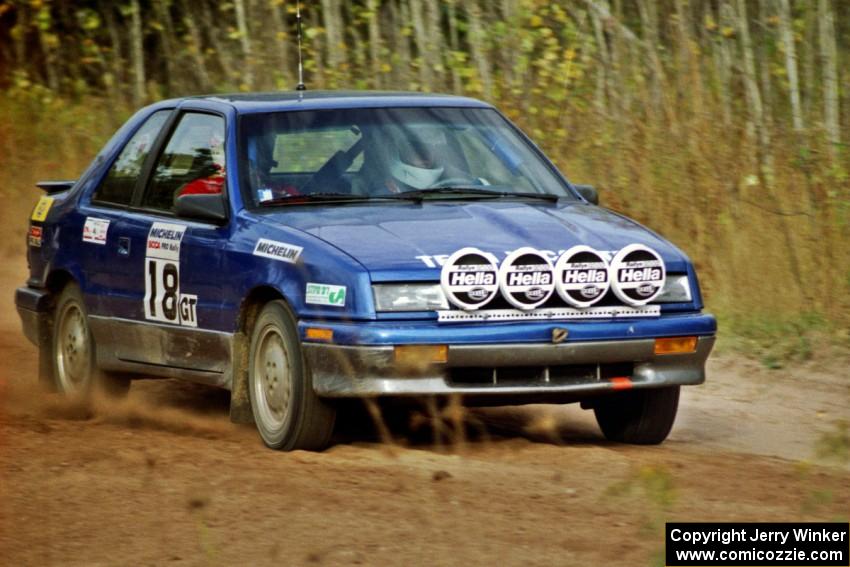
(75, 370)
(288, 413)
(642, 417)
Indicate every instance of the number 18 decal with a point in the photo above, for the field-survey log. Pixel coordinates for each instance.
(163, 300)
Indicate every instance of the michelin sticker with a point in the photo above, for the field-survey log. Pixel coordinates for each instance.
(637, 274)
(470, 278)
(325, 294)
(526, 278)
(581, 276)
(163, 300)
(94, 230)
(277, 250)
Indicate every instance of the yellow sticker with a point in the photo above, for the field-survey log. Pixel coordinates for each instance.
(41, 209)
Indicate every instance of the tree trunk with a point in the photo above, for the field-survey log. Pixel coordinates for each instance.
(454, 46)
(423, 48)
(692, 87)
(435, 43)
(790, 49)
(245, 43)
(47, 42)
(375, 42)
(649, 31)
(195, 47)
(477, 42)
(829, 64)
(116, 54)
(166, 34)
(223, 53)
(400, 11)
(723, 60)
(810, 58)
(282, 38)
(335, 43)
(763, 56)
(751, 86)
(603, 65)
(137, 53)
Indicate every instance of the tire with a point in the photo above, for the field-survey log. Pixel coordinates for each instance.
(73, 353)
(641, 417)
(287, 412)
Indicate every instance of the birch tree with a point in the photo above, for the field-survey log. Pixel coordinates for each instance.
(137, 53)
(790, 50)
(829, 64)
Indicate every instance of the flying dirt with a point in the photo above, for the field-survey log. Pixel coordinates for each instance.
(164, 477)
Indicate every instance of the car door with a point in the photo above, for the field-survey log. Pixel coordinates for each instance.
(103, 247)
(174, 271)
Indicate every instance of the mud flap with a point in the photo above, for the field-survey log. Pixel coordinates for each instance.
(240, 402)
(46, 367)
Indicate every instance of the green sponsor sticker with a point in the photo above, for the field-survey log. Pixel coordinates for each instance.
(324, 294)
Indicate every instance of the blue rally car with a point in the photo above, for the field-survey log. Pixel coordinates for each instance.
(303, 248)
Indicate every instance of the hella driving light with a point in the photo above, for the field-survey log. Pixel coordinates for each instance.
(676, 290)
(409, 297)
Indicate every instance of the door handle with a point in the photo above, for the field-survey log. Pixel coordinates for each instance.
(123, 246)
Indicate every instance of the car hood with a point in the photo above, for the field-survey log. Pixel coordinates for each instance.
(407, 241)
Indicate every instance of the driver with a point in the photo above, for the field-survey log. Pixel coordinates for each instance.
(414, 167)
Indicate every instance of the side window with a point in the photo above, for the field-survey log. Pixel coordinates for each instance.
(117, 187)
(192, 162)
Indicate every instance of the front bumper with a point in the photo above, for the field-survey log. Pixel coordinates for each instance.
(536, 372)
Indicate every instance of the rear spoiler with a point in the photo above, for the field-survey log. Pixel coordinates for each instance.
(51, 187)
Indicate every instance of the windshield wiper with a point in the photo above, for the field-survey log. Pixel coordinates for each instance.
(421, 194)
(317, 198)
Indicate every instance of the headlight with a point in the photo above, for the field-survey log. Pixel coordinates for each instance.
(409, 297)
(676, 290)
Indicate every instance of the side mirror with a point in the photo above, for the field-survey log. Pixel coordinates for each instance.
(209, 207)
(589, 193)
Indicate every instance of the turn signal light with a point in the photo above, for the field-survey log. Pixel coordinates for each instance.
(675, 345)
(421, 355)
(317, 334)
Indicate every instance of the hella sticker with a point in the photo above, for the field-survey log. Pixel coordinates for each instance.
(526, 278)
(637, 274)
(581, 276)
(470, 278)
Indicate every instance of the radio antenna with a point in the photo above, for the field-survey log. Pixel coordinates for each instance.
(300, 86)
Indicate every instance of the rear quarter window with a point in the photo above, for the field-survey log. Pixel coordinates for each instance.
(120, 182)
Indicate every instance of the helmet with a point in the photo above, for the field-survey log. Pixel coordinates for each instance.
(415, 166)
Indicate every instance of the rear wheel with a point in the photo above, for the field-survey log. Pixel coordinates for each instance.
(643, 417)
(73, 351)
(288, 413)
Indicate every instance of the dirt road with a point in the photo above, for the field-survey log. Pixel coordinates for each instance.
(165, 478)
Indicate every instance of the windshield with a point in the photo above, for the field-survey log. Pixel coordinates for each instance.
(382, 152)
